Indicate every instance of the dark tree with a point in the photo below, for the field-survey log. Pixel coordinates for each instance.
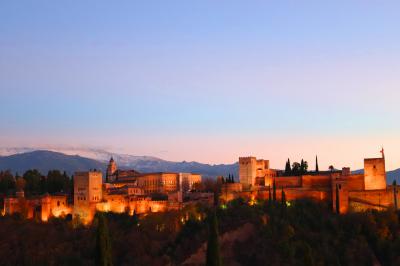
(103, 255)
(316, 165)
(296, 168)
(274, 191)
(303, 167)
(331, 168)
(57, 182)
(288, 169)
(135, 217)
(213, 253)
(269, 195)
(283, 198)
(337, 199)
(7, 182)
(33, 181)
(395, 194)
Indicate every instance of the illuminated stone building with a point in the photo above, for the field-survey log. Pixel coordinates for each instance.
(39, 207)
(160, 182)
(132, 192)
(88, 191)
(253, 172)
(356, 191)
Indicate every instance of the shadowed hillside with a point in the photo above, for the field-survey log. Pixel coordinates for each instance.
(47, 160)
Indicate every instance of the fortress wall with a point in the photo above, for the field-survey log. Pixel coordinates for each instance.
(355, 182)
(288, 181)
(295, 194)
(290, 194)
(371, 198)
(313, 181)
(158, 206)
(340, 185)
(229, 191)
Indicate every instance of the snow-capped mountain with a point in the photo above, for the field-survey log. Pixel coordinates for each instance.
(73, 159)
(124, 160)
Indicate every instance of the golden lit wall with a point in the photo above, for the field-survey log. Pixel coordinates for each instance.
(375, 174)
(247, 171)
(87, 193)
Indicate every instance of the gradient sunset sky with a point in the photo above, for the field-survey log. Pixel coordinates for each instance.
(205, 81)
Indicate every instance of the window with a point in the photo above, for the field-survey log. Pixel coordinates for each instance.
(58, 203)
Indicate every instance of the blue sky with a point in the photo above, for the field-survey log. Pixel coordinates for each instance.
(204, 80)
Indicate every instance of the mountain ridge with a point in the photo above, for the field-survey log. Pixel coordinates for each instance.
(45, 160)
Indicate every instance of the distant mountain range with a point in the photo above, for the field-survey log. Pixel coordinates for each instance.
(80, 159)
(44, 160)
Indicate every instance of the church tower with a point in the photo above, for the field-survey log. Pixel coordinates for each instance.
(111, 170)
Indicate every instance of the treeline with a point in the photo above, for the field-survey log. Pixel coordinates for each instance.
(34, 183)
(300, 233)
(309, 233)
(296, 168)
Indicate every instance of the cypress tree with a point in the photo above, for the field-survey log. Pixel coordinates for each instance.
(316, 165)
(337, 199)
(395, 194)
(269, 195)
(302, 167)
(135, 217)
(213, 253)
(288, 168)
(274, 192)
(283, 198)
(103, 255)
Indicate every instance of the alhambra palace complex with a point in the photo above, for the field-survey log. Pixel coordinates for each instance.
(134, 192)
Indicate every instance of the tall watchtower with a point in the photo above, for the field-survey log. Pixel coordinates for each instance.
(247, 171)
(375, 173)
(87, 193)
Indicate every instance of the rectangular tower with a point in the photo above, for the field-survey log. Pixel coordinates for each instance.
(374, 174)
(87, 193)
(247, 171)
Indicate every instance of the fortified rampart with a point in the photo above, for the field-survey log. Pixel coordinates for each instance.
(350, 192)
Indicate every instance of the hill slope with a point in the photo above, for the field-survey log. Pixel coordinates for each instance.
(48, 160)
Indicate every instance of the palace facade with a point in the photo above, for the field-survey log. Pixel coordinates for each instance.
(355, 192)
(124, 191)
(39, 207)
(133, 192)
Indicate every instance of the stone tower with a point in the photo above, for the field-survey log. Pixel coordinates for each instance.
(87, 193)
(375, 173)
(247, 171)
(111, 170)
